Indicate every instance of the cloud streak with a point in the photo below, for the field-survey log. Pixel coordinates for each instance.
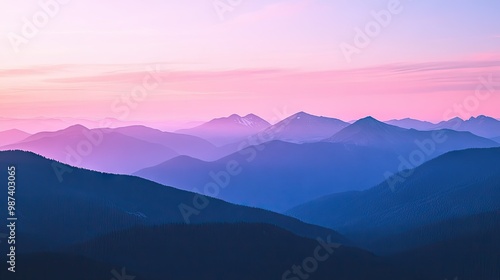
(385, 91)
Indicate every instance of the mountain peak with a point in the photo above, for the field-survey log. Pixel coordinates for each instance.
(75, 128)
(367, 131)
(456, 119)
(481, 118)
(372, 123)
(368, 120)
(302, 127)
(298, 116)
(226, 130)
(302, 114)
(251, 116)
(252, 120)
(233, 116)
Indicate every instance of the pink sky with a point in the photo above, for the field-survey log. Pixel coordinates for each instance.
(264, 57)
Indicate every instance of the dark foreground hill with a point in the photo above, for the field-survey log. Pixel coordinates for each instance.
(455, 185)
(469, 257)
(212, 251)
(85, 204)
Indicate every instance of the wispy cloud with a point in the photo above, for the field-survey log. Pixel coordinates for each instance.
(392, 90)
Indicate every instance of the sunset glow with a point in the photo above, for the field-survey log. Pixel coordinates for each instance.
(256, 57)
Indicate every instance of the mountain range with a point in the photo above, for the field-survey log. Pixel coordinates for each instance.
(483, 126)
(182, 144)
(304, 128)
(62, 205)
(456, 185)
(227, 130)
(278, 175)
(373, 133)
(96, 149)
(409, 123)
(105, 224)
(236, 133)
(435, 219)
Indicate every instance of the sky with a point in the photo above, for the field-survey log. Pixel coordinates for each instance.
(159, 60)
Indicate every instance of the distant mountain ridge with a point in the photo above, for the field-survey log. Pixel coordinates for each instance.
(312, 170)
(222, 131)
(410, 123)
(454, 185)
(97, 149)
(483, 126)
(277, 175)
(304, 128)
(182, 144)
(12, 136)
(369, 132)
(373, 133)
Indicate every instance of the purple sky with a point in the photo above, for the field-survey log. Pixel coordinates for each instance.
(88, 58)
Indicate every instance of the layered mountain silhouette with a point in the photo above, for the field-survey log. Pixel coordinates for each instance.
(404, 199)
(182, 144)
(373, 133)
(12, 136)
(409, 123)
(279, 175)
(304, 128)
(138, 147)
(34, 125)
(96, 149)
(227, 130)
(79, 222)
(455, 185)
(58, 205)
(483, 126)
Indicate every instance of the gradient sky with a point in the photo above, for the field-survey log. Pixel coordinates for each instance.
(264, 57)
